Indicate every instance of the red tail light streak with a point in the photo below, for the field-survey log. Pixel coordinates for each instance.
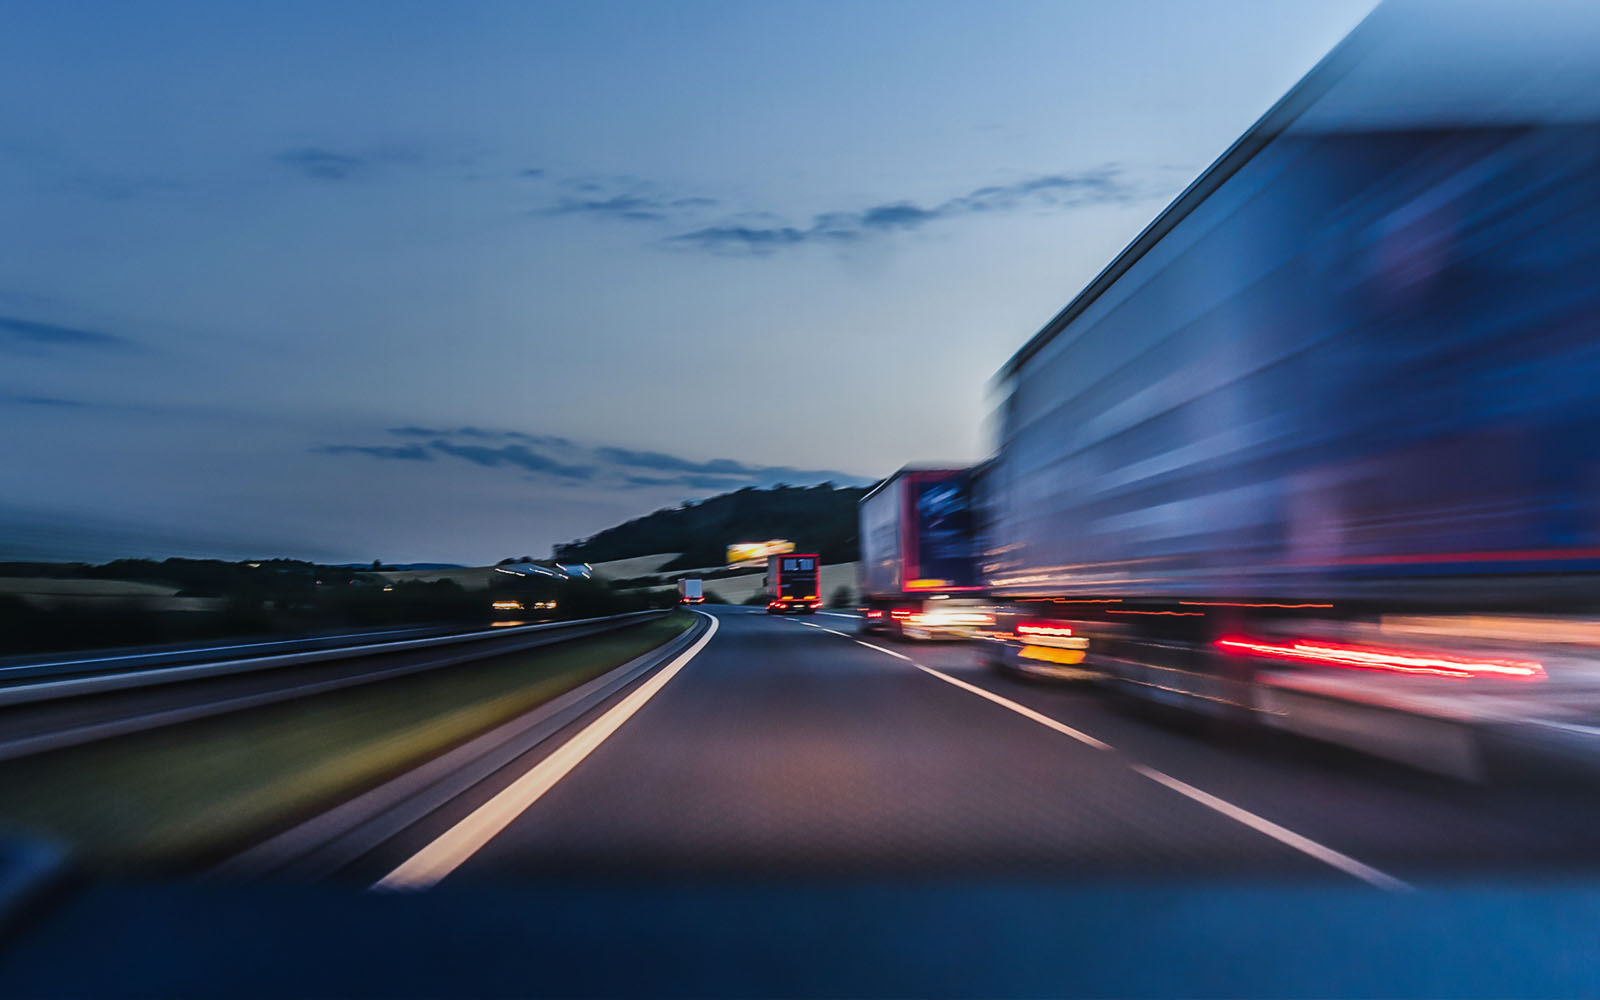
(1037, 628)
(1393, 661)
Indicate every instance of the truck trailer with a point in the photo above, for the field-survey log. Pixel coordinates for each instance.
(794, 583)
(918, 572)
(1326, 435)
(691, 590)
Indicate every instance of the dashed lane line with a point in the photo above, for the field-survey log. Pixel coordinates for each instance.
(1283, 835)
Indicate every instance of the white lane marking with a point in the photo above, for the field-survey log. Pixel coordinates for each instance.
(824, 628)
(452, 848)
(1304, 845)
(1260, 824)
(1022, 710)
(838, 614)
(891, 652)
(845, 635)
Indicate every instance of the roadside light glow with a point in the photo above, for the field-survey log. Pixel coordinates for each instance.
(507, 605)
(1394, 661)
(926, 584)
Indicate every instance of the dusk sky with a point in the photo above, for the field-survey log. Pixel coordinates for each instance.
(453, 282)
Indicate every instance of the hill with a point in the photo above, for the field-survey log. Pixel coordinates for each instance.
(819, 519)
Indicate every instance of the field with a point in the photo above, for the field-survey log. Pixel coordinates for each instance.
(479, 577)
(200, 789)
(469, 577)
(28, 586)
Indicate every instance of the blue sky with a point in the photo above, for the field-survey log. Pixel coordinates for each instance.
(452, 282)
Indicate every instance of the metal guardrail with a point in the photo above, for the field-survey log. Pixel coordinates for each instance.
(122, 679)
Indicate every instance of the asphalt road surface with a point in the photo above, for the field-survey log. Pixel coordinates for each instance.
(789, 748)
(795, 811)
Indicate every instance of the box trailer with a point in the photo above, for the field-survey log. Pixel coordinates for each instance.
(918, 569)
(1346, 380)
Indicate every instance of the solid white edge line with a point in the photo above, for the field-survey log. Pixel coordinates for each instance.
(1304, 845)
(1260, 824)
(451, 849)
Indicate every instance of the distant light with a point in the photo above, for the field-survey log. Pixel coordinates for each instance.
(507, 605)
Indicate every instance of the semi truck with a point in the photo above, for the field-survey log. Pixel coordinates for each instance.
(918, 572)
(1320, 449)
(793, 583)
(691, 590)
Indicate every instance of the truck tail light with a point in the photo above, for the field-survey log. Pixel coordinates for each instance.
(1044, 628)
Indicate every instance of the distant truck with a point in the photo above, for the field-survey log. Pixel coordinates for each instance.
(691, 591)
(794, 584)
(918, 573)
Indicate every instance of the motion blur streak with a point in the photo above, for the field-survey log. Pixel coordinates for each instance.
(447, 852)
(1245, 604)
(1393, 660)
(1027, 628)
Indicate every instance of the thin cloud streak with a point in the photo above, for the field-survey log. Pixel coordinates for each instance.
(557, 459)
(31, 335)
(1102, 185)
(406, 453)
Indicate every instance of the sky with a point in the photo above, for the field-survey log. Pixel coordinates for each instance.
(452, 282)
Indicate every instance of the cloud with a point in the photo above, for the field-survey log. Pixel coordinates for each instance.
(625, 197)
(514, 455)
(672, 463)
(556, 459)
(531, 172)
(1107, 184)
(622, 206)
(32, 336)
(407, 453)
(481, 434)
(322, 164)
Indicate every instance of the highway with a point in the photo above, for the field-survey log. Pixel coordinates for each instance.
(775, 807)
(788, 748)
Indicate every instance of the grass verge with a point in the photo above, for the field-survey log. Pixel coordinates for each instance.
(175, 797)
